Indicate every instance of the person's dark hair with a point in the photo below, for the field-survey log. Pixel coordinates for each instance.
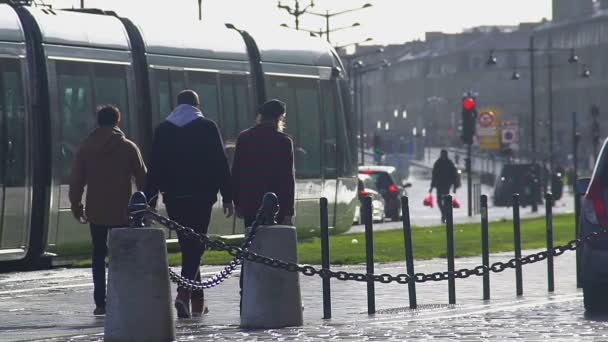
(272, 110)
(444, 154)
(188, 97)
(108, 116)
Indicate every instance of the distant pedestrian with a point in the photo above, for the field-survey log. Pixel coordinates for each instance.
(445, 176)
(106, 163)
(188, 166)
(263, 162)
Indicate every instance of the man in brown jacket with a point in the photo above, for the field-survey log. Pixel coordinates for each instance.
(106, 164)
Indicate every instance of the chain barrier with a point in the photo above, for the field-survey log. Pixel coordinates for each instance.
(265, 215)
(243, 254)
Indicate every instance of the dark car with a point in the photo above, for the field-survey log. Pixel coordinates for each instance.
(386, 178)
(519, 179)
(593, 218)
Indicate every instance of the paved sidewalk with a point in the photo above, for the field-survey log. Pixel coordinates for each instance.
(56, 305)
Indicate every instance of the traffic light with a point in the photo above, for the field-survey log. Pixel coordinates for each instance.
(469, 115)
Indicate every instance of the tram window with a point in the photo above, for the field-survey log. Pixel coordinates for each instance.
(229, 108)
(111, 88)
(205, 84)
(168, 85)
(307, 152)
(330, 144)
(12, 110)
(75, 111)
(244, 115)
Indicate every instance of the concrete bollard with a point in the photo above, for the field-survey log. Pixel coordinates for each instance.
(271, 296)
(139, 293)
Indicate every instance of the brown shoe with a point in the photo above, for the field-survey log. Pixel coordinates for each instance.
(182, 303)
(199, 306)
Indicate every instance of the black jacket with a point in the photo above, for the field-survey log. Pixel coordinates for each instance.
(445, 175)
(188, 162)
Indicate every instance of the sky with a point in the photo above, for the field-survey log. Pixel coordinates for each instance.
(387, 21)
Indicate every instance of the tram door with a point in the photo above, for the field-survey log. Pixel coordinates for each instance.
(13, 190)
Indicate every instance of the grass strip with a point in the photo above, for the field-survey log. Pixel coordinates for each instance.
(428, 242)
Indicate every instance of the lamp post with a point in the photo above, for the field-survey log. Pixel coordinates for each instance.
(296, 12)
(200, 9)
(368, 39)
(320, 32)
(550, 50)
(328, 15)
(359, 69)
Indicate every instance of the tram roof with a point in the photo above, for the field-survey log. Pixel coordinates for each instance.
(189, 38)
(10, 26)
(65, 27)
(291, 47)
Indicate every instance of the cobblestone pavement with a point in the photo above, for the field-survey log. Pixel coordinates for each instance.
(56, 306)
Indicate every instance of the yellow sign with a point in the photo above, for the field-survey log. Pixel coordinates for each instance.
(489, 134)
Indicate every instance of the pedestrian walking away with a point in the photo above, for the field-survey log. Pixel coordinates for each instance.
(263, 162)
(188, 166)
(106, 163)
(445, 176)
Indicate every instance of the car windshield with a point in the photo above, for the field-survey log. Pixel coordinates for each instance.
(382, 179)
(368, 182)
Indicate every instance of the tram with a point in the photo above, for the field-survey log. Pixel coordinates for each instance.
(57, 66)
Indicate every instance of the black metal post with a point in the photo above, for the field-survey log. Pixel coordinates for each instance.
(577, 200)
(469, 182)
(449, 225)
(325, 258)
(517, 244)
(549, 220)
(137, 205)
(409, 252)
(359, 101)
(550, 106)
(532, 104)
(369, 252)
(485, 247)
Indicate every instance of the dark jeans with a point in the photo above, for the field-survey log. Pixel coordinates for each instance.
(442, 207)
(194, 214)
(99, 237)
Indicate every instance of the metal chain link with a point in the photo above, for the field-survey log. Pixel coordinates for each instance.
(216, 279)
(244, 254)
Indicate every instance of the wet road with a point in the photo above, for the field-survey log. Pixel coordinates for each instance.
(56, 306)
(425, 216)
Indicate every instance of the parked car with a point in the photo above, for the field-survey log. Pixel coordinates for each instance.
(517, 179)
(385, 179)
(593, 218)
(366, 187)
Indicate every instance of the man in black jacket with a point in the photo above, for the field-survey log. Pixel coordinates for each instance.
(188, 166)
(445, 176)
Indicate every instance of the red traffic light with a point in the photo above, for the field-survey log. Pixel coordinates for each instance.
(468, 103)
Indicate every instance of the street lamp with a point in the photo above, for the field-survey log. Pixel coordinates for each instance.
(328, 15)
(296, 11)
(317, 33)
(369, 39)
(359, 69)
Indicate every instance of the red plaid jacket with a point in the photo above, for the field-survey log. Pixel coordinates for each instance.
(263, 162)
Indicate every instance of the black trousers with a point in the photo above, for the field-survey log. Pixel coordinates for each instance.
(194, 214)
(99, 237)
(442, 207)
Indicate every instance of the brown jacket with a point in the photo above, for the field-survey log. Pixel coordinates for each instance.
(106, 163)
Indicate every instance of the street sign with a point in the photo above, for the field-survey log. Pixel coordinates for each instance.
(488, 132)
(509, 135)
(486, 119)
